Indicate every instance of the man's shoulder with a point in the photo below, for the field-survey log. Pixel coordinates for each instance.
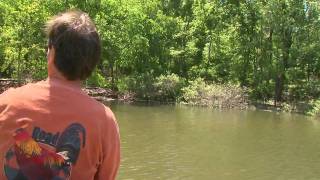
(17, 93)
(107, 113)
(13, 90)
(9, 93)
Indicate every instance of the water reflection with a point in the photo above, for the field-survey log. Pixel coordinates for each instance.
(171, 142)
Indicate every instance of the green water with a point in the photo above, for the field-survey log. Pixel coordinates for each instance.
(169, 142)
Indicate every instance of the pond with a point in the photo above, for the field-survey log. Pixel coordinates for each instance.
(179, 142)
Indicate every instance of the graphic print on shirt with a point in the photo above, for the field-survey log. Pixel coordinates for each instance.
(31, 159)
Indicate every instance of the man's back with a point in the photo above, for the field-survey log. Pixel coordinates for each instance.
(51, 129)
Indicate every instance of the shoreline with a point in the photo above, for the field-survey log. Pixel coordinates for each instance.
(109, 95)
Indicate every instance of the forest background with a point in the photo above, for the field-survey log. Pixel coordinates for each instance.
(219, 53)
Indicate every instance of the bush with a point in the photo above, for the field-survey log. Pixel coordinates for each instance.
(146, 87)
(314, 108)
(263, 91)
(141, 85)
(168, 87)
(304, 91)
(214, 95)
(96, 80)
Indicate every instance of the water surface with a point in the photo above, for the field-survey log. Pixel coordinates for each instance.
(172, 142)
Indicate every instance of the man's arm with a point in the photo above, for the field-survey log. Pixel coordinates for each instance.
(3, 104)
(111, 150)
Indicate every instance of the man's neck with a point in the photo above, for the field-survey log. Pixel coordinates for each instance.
(55, 75)
(62, 79)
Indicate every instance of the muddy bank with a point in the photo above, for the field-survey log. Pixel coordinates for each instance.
(102, 94)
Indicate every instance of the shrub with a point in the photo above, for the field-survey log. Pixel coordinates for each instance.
(314, 108)
(141, 85)
(168, 87)
(304, 91)
(214, 95)
(96, 80)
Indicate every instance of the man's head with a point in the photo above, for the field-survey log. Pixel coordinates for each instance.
(74, 43)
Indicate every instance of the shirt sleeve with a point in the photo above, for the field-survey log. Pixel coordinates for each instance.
(111, 150)
(3, 104)
(6, 126)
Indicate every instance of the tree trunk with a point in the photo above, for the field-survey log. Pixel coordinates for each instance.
(279, 88)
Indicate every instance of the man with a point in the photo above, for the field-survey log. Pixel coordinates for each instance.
(51, 129)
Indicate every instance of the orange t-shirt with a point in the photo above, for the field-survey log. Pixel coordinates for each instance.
(53, 130)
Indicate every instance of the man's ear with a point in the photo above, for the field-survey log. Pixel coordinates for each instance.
(50, 59)
(50, 55)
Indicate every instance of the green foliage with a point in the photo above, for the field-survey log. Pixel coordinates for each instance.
(314, 110)
(161, 88)
(271, 48)
(214, 95)
(97, 80)
(168, 87)
(141, 85)
(21, 29)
